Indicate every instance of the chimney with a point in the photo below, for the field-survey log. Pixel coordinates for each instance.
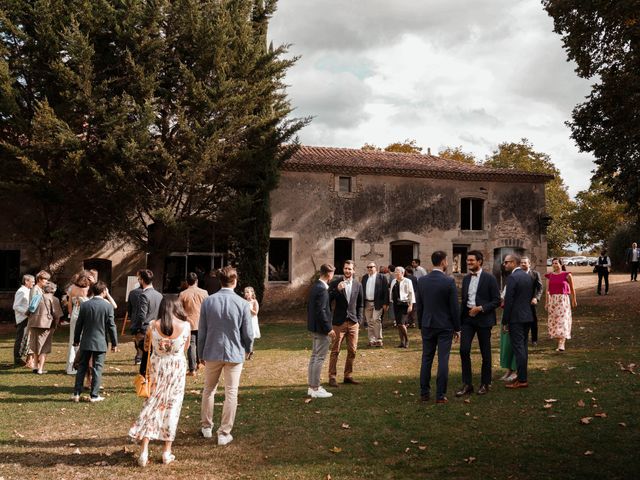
(428, 150)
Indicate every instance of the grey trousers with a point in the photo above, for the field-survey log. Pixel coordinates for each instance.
(319, 351)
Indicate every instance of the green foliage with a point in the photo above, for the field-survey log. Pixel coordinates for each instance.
(620, 240)
(602, 38)
(165, 113)
(596, 215)
(522, 156)
(456, 153)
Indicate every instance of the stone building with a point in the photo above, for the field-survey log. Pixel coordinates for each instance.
(335, 203)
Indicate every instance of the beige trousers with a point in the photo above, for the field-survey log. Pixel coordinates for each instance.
(374, 322)
(212, 371)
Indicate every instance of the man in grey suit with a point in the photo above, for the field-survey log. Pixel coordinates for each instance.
(225, 339)
(347, 317)
(517, 317)
(96, 326)
(148, 304)
(438, 315)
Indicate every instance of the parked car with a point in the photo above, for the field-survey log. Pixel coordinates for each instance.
(592, 261)
(580, 260)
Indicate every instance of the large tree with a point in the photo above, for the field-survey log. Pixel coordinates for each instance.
(522, 156)
(603, 38)
(596, 216)
(159, 118)
(457, 154)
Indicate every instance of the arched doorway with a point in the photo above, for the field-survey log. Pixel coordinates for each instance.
(403, 251)
(342, 250)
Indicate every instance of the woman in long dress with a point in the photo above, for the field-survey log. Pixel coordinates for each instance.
(169, 336)
(561, 297)
(250, 296)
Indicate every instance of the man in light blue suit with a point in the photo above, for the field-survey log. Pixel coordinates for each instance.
(225, 338)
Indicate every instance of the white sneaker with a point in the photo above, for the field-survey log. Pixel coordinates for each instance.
(207, 432)
(321, 393)
(224, 439)
(512, 377)
(75, 398)
(96, 399)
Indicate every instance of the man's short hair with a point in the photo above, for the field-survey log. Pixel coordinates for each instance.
(349, 262)
(478, 254)
(227, 276)
(98, 288)
(326, 269)
(408, 270)
(27, 277)
(42, 275)
(417, 260)
(515, 257)
(437, 257)
(524, 257)
(192, 278)
(146, 276)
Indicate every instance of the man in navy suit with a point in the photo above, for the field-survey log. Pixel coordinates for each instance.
(347, 317)
(480, 298)
(319, 324)
(376, 301)
(517, 317)
(439, 319)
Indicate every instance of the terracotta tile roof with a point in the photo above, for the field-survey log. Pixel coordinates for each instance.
(353, 161)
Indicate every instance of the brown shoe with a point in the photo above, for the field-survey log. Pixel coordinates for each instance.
(191, 374)
(465, 390)
(483, 390)
(517, 384)
(425, 398)
(442, 400)
(351, 381)
(333, 383)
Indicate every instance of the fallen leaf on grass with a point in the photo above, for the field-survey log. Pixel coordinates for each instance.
(550, 400)
(71, 445)
(588, 453)
(77, 452)
(396, 392)
(317, 411)
(328, 477)
(577, 382)
(335, 450)
(581, 403)
(422, 447)
(346, 426)
(308, 400)
(466, 400)
(470, 460)
(18, 434)
(125, 450)
(414, 441)
(571, 368)
(406, 450)
(548, 405)
(586, 420)
(467, 413)
(376, 443)
(588, 390)
(622, 424)
(600, 415)
(399, 381)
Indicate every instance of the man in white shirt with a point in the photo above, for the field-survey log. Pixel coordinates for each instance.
(376, 301)
(20, 307)
(418, 271)
(633, 258)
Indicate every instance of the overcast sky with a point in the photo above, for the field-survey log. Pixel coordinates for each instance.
(443, 72)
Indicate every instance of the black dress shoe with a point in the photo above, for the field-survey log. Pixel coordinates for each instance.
(351, 381)
(483, 390)
(465, 390)
(333, 383)
(425, 398)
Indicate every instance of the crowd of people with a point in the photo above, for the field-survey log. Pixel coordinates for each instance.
(432, 298)
(177, 336)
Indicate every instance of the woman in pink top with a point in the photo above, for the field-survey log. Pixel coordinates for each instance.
(561, 297)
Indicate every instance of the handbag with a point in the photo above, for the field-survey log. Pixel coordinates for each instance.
(35, 301)
(141, 383)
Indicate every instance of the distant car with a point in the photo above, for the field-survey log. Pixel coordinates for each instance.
(592, 261)
(579, 260)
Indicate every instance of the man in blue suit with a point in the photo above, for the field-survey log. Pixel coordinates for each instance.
(517, 317)
(439, 320)
(319, 324)
(480, 298)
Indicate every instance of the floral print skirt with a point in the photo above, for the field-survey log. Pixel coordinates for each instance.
(559, 316)
(160, 413)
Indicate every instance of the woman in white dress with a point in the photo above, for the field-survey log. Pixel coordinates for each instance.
(169, 336)
(250, 296)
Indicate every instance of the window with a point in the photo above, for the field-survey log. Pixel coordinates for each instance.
(459, 259)
(279, 260)
(471, 214)
(9, 269)
(345, 185)
(342, 250)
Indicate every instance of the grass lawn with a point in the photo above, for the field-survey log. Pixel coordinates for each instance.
(379, 429)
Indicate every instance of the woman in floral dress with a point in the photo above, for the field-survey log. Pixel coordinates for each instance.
(561, 297)
(169, 336)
